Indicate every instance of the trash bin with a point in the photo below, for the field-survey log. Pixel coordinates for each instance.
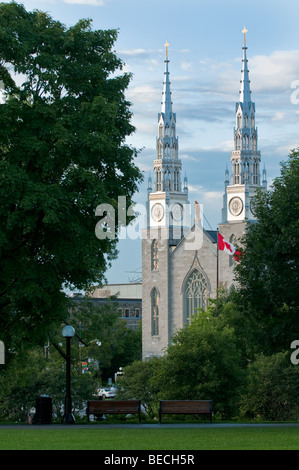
(43, 413)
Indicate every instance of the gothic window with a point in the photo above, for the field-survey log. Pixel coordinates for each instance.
(255, 173)
(166, 150)
(155, 255)
(159, 180)
(254, 143)
(239, 121)
(160, 150)
(245, 172)
(237, 173)
(238, 142)
(246, 142)
(175, 181)
(252, 121)
(160, 131)
(195, 295)
(155, 300)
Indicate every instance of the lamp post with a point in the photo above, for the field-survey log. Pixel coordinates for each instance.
(68, 332)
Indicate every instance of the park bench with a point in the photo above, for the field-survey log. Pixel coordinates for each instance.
(100, 407)
(185, 407)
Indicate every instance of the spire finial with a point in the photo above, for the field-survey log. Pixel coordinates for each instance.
(244, 32)
(166, 45)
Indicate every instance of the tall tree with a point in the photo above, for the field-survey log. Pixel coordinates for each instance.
(64, 121)
(269, 270)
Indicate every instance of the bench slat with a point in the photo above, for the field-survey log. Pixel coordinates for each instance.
(99, 407)
(185, 407)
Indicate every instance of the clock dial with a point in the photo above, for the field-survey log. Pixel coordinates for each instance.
(236, 206)
(177, 212)
(158, 212)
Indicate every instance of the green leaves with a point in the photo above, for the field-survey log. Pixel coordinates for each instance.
(63, 152)
(268, 273)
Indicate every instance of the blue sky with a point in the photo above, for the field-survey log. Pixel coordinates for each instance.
(205, 69)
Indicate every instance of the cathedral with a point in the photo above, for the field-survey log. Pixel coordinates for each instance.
(182, 263)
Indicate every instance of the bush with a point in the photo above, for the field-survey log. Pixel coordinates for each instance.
(272, 389)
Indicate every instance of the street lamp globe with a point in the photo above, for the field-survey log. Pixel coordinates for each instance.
(68, 331)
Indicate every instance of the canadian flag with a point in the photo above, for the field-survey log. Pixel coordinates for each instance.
(224, 245)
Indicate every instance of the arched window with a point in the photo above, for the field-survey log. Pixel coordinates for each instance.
(155, 255)
(195, 295)
(155, 300)
(239, 121)
(160, 148)
(237, 173)
(160, 131)
(159, 185)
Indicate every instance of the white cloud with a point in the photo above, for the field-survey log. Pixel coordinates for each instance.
(195, 188)
(132, 52)
(186, 65)
(279, 116)
(275, 72)
(185, 156)
(144, 94)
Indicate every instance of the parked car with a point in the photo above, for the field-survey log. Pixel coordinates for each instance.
(106, 393)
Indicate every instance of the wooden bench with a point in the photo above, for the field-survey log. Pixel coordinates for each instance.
(100, 407)
(185, 407)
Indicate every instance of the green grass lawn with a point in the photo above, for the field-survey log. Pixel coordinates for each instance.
(101, 438)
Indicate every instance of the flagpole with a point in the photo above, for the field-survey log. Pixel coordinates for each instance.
(217, 270)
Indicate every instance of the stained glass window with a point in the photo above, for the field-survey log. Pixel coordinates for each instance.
(196, 295)
(155, 299)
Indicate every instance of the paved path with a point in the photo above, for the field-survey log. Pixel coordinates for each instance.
(102, 426)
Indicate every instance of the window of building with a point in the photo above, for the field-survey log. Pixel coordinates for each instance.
(195, 295)
(137, 312)
(155, 300)
(155, 255)
(159, 186)
(127, 312)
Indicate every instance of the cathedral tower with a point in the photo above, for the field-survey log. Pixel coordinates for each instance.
(182, 266)
(245, 178)
(168, 215)
(245, 157)
(167, 199)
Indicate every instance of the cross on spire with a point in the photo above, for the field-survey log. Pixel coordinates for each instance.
(244, 32)
(166, 45)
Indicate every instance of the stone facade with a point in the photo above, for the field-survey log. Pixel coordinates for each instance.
(181, 264)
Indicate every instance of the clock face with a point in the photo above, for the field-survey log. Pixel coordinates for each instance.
(158, 212)
(177, 212)
(236, 206)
